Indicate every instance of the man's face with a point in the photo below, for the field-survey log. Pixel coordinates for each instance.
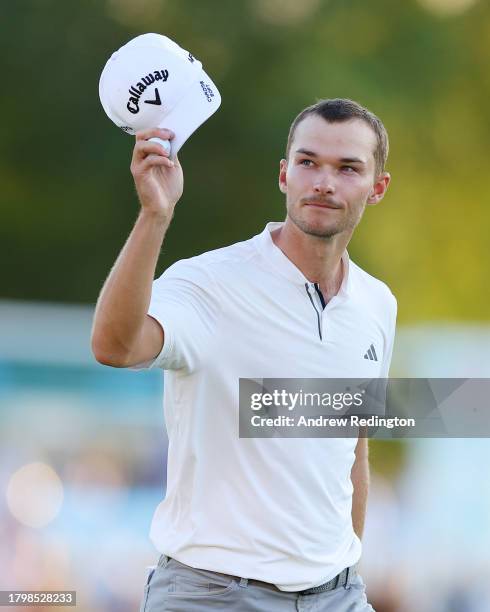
(330, 176)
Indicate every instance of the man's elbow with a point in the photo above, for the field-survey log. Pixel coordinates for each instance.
(108, 357)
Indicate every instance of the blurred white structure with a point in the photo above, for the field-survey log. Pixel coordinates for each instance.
(427, 534)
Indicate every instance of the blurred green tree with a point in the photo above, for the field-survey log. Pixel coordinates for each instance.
(67, 198)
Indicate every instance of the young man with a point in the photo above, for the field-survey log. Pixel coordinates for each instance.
(254, 524)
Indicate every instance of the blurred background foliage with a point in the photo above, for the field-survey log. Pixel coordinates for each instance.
(67, 198)
(67, 204)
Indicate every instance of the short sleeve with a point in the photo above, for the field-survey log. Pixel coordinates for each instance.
(184, 301)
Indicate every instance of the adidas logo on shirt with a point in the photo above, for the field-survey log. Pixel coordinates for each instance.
(371, 354)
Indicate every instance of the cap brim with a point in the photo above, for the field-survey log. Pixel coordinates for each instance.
(200, 101)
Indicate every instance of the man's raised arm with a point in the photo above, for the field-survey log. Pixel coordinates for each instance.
(122, 333)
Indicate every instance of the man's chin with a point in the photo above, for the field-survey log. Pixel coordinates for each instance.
(325, 234)
(319, 230)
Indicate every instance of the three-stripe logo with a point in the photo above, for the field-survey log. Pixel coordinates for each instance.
(371, 354)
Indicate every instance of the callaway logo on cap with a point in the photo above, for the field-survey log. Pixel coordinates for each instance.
(152, 82)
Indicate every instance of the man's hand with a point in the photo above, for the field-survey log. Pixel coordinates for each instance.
(159, 180)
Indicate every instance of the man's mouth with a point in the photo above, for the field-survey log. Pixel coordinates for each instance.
(322, 204)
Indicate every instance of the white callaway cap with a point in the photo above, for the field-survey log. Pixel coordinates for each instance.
(152, 82)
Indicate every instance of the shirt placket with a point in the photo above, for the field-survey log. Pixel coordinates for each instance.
(318, 304)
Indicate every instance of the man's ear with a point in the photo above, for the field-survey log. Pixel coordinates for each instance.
(283, 166)
(379, 188)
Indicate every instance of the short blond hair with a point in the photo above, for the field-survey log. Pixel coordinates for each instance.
(337, 110)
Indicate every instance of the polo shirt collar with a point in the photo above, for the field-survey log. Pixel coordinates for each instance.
(276, 258)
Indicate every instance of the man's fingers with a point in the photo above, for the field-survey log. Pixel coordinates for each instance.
(150, 161)
(148, 154)
(162, 133)
(155, 160)
(143, 148)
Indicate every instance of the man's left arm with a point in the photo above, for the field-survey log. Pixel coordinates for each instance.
(360, 482)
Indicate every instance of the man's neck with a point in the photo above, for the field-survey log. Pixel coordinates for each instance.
(319, 259)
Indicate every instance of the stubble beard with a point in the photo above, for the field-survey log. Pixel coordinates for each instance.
(312, 229)
(346, 224)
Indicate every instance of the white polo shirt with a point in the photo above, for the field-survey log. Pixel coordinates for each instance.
(273, 509)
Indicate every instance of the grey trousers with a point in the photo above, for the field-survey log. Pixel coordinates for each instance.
(175, 587)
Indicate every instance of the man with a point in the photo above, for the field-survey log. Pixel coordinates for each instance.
(254, 524)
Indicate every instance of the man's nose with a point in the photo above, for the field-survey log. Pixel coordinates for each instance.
(324, 183)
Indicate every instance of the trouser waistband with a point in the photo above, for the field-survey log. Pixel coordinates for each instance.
(340, 580)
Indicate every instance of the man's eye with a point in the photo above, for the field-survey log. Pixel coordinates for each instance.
(306, 162)
(348, 169)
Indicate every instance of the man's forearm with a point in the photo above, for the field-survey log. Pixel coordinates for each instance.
(360, 482)
(125, 297)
